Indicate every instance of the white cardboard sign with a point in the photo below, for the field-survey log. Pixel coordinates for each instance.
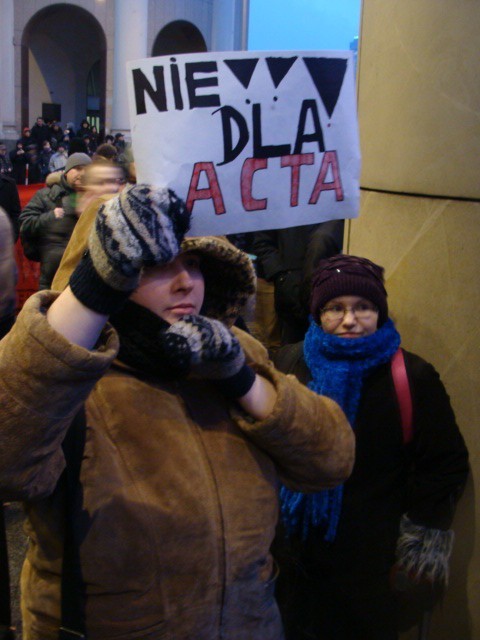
(250, 140)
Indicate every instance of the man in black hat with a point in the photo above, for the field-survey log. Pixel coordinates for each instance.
(48, 220)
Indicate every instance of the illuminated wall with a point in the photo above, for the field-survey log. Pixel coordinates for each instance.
(418, 100)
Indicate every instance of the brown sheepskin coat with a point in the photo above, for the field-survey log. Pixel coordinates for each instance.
(177, 501)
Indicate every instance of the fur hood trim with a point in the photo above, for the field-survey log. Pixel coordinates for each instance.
(229, 277)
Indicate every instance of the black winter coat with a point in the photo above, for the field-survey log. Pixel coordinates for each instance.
(423, 479)
(348, 579)
(288, 257)
(10, 201)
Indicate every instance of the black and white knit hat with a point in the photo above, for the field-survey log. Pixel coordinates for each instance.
(127, 237)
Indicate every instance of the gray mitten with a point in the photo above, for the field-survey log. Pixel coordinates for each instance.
(423, 552)
(213, 352)
(139, 228)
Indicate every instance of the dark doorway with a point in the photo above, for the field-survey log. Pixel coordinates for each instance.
(60, 45)
(51, 112)
(179, 36)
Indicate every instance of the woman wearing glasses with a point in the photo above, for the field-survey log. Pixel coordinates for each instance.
(343, 551)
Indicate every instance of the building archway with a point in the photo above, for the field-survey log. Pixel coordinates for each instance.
(178, 36)
(56, 66)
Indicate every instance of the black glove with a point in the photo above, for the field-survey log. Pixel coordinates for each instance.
(139, 228)
(213, 352)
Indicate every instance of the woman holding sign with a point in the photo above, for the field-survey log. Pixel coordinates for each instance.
(165, 528)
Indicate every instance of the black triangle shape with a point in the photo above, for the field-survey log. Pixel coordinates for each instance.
(242, 69)
(279, 67)
(327, 75)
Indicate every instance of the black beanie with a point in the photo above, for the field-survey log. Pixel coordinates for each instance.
(344, 275)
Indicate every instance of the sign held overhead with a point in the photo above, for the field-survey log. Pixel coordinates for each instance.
(250, 140)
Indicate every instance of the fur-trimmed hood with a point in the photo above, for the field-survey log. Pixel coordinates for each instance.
(228, 271)
(229, 276)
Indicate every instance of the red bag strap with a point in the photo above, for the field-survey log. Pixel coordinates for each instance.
(404, 396)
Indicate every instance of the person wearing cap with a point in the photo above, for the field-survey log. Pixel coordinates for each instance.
(48, 220)
(59, 158)
(344, 553)
(26, 138)
(188, 429)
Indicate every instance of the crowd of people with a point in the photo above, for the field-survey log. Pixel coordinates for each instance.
(224, 488)
(45, 147)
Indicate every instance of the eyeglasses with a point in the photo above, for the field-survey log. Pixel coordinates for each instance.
(361, 310)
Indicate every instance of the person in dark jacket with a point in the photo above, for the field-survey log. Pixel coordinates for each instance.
(388, 526)
(286, 258)
(48, 220)
(34, 175)
(6, 167)
(26, 138)
(10, 202)
(40, 132)
(18, 158)
(8, 276)
(56, 135)
(84, 129)
(44, 158)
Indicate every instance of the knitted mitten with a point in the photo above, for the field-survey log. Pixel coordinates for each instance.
(213, 352)
(141, 227)
(424, 553)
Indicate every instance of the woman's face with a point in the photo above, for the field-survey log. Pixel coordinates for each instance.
(173, 290)
(349, 317)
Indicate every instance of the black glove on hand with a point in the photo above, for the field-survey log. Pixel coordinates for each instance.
(141, 227)
(213, 352)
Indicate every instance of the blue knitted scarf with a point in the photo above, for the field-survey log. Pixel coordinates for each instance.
(338, 367)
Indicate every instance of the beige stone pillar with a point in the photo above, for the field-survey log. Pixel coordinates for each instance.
(418, 104)
(8, 129)
(130, 43)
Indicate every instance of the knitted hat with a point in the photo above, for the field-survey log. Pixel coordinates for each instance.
(77, 160)
(344, 275)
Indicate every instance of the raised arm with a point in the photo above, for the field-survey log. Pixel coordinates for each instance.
(141, 226)
(74, 321)
(53, 357)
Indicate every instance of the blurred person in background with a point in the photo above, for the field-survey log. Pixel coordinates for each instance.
(59, 158)
(8, 275)
(101, 177)
(6, 167)
(48, 220)
(18, 158)
(44, 158)
(26, 137)
(286, 259)
(10, 203)
(107, 151)
(40, 132)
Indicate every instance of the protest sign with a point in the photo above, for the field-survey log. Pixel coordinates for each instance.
(250, 140)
